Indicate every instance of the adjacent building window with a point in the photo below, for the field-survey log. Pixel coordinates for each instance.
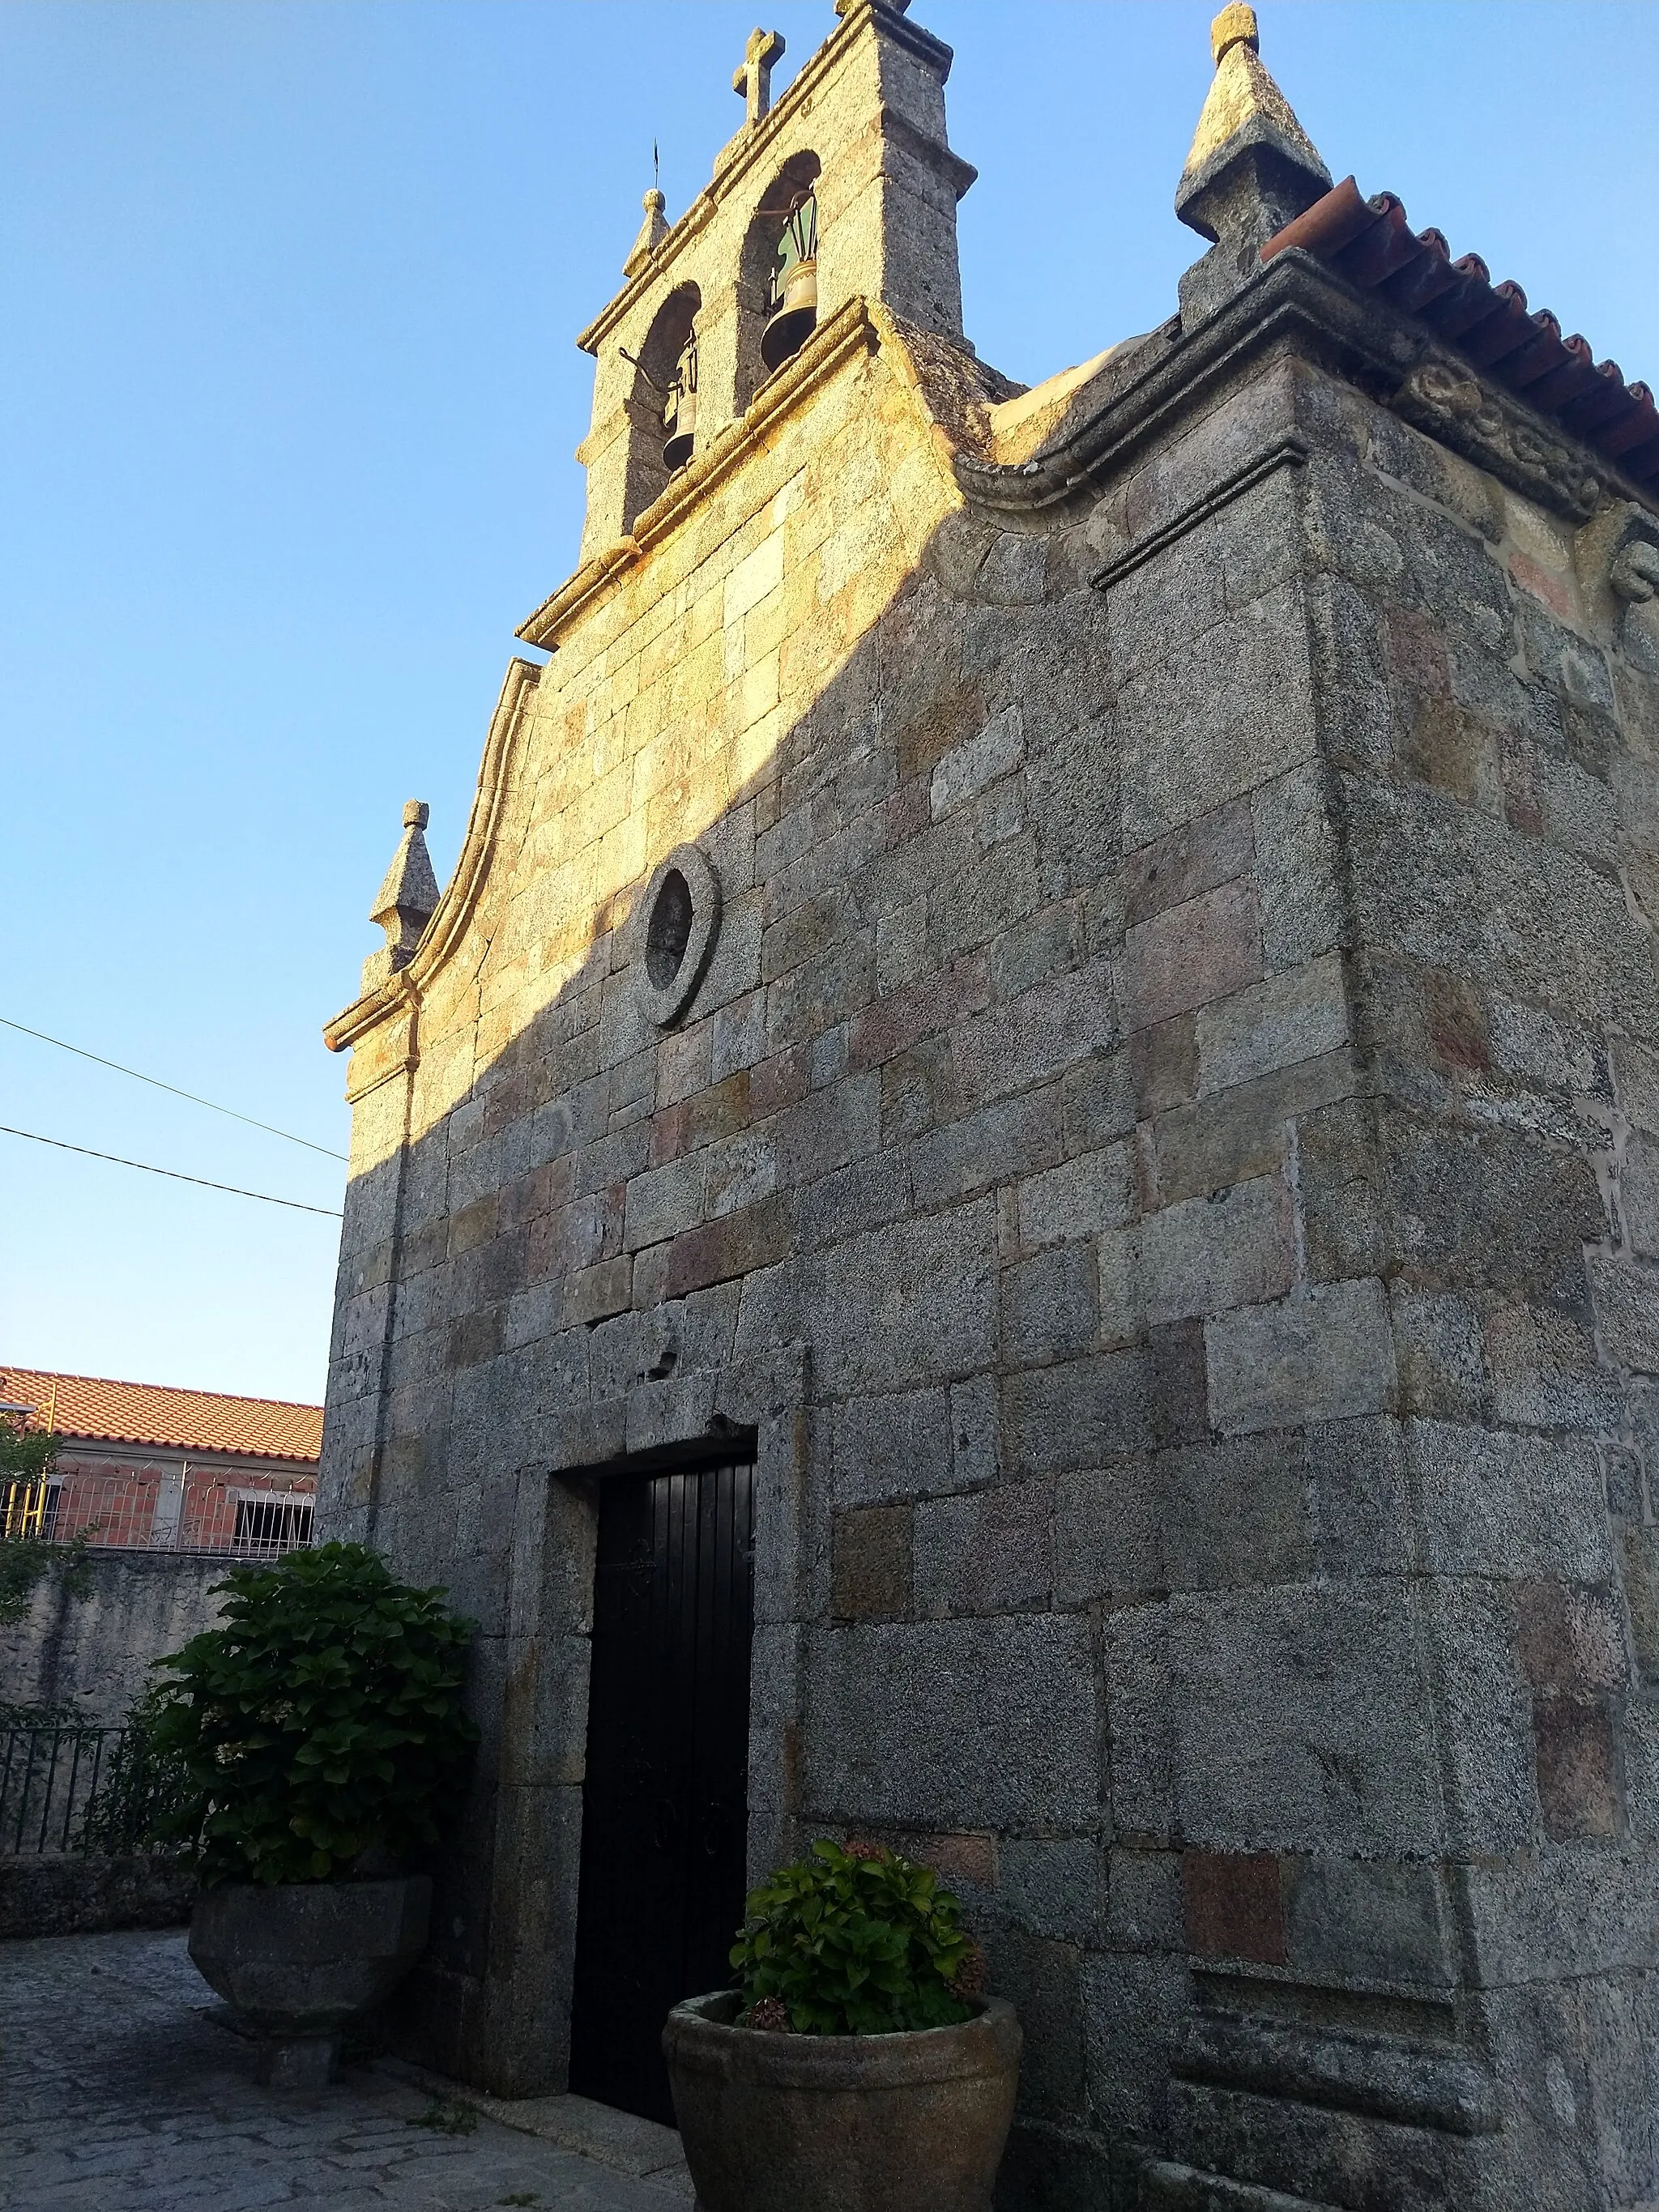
(271, 1521)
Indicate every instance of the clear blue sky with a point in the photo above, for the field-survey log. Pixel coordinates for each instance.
(288, 402)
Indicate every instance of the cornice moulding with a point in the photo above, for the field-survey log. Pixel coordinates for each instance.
(1288, 451)
(1404, 365)
(393, 1073)
(402, 992)
(1307, 302)
(944, 160)
(1446, 398)
(366, 1013)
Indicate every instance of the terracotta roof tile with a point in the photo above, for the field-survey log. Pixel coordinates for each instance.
(1371, 243)
(146, 1413)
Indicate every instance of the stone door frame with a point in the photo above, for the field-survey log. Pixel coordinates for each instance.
(764, 1399)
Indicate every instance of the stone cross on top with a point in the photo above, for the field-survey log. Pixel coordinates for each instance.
(754, 79)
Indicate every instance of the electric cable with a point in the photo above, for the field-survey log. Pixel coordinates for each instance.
(155, 1082)
(115, 1159)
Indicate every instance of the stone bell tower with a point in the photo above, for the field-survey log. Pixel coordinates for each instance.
(862, 128)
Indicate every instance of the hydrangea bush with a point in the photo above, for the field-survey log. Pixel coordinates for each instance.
(320, 1721)
(854, 1941)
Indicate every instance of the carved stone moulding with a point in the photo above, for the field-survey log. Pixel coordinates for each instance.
(1447, 401)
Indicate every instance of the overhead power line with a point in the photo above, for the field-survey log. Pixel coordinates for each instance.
(156, 1084)
(173, 1174)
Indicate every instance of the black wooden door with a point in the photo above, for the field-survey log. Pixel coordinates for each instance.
(665, 1807)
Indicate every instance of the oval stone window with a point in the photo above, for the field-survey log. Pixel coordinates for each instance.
(669, 930)
(681, 914)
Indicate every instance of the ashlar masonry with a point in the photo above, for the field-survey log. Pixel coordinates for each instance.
(1012, 1202)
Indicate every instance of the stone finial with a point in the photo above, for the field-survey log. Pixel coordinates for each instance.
(653, 231)
(1252, 167)
(407, 899)
(754, 80)
(1234, 26)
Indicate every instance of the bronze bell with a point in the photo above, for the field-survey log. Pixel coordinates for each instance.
(791, 299)
(679, 410)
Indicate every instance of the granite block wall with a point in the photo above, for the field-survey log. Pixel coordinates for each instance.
(96, 1652)
(1160, 1162)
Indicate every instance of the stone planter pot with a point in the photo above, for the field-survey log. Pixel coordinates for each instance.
(298, 1961)
(911, 2123)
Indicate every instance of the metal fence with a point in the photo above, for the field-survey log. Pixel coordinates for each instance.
(149, 1511)
(26, 1507)
(50, 1780)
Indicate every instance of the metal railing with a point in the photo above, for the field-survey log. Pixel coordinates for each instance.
(26, 1507)
(50, 1779)
(143, 1512)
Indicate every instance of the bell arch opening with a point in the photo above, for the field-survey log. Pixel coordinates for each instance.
(662, 402)
(777, 278)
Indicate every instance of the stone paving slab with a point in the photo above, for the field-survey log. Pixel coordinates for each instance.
(120, 2092)
(615, 2139)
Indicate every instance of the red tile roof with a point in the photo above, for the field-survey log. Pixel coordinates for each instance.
(146, 1413)
(1372, 245)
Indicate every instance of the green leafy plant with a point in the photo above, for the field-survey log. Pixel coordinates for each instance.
(55, 1713)
(25, 1455)
(320, 1721)
(854, 1941)
(145, 1795)
(447, 2116)
(27, 1459)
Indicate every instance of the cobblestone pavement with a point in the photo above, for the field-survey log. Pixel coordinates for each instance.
(120, 2092)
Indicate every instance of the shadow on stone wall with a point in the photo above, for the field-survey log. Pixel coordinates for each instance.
(96, 1652)
(1114, 1212)
(912, 998)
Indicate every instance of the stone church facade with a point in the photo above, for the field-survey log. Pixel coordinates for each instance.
(1059, 986)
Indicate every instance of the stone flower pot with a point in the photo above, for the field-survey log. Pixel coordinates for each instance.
(298, 1961)
(908, 2123)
